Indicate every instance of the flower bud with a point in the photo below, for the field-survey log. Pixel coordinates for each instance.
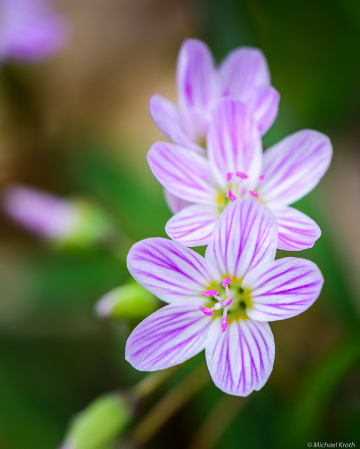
(69, 223)
(128, 302)
(99, 423)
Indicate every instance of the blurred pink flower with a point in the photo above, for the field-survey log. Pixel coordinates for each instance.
(30, 30)
(39, 212)
(243, 75)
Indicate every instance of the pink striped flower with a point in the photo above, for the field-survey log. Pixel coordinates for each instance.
(236, 167)
(222, 302)
(30, 30)
(243, 74)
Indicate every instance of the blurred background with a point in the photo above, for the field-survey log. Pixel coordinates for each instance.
(78, 125)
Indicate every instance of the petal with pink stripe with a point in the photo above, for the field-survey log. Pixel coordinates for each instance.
(263, 102)
(169, 270)
(294, 166)
(283, 289)
(170, 336)
(297, 231)
(242, 70)
(184, 173)
(175, 203)
(244, 236)
(167, 118)
(234, 143)
(194, 225)
(241, 359)
(197, 85)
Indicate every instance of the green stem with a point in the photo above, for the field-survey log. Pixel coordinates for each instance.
(170, 404)
(217, 421)
(153, 381)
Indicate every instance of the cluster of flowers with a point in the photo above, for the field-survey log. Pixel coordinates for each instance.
(228, 194)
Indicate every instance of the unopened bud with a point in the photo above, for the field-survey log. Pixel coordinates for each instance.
(128, 302)
(69, 223)
(98, 424)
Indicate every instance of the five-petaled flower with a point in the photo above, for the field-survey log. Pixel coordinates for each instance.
(30, 30)
(236, 167)
(222, 302)
(243, 75)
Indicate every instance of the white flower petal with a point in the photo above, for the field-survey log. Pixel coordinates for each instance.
(169, 270)
(175, 203)
(198, 86)
(244, 236)
(283, 289)
(184, 173)
(193, 226)
(243, 69)
(293, 167)
(167, 118)
(170, 336)
(234, 143)
(297, 231)
(240, 360)
(263, 102)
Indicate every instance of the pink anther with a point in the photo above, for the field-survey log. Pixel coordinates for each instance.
(206, 311)
(231, 195)
(254, 194)
(224, 323)
(241, 175)
(228, 301)
(225, 282)
(261, 177)
(210, 293)
(229, 176)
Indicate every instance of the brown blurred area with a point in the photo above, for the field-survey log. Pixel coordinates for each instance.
(120, 53)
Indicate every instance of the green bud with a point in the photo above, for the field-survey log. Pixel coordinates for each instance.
(98, 424)
(128, 302)
(91, 226)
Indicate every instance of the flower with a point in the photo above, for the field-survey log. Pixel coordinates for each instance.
(222, 302)
(30, 30)
(244, 75)
(235, 167)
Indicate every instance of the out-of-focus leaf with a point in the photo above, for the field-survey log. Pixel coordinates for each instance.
(24, 422)
(309, 46)
(300, 423)
(336, 293)
(137, 203)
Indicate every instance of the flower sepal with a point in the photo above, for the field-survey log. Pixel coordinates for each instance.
(130, 302)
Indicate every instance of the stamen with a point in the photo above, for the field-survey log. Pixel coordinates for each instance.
(225, 282)
(231, 195)
(229, 176)
(261, 177)
(210, 293)
(241, 175)
(223, 303)
(254, 194)
(217, 306)
(206, 311)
